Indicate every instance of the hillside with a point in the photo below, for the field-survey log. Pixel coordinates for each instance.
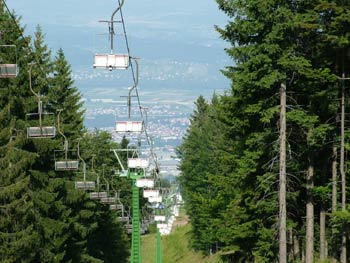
(175, 247)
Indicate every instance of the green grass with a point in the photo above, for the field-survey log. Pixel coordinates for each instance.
(175, 248)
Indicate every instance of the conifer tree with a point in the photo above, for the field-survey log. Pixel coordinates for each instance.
(272, 42)
(19, 239)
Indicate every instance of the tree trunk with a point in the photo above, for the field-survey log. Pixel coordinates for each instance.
(334, 199)
(309, 247)
(342, 172)
(282, 179)
(296, 248)
(334, 179)
(322, 234)
(323, 242)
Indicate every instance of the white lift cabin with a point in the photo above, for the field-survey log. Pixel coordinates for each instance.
(111, 61)
(129, 126)
(145, 183)
(159, 218)
(155, 199)
(162, 225)
(150, 193)
(138, 163)
(8, 68)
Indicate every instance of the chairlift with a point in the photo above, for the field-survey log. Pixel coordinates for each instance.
(112, 60)
(150, 193)
(118, 205)
(98, 195)
(9, 69)
(124, 170)
(107, 200)
(124, 217)
(145, 183)
(162, 225)
(83, 185)
(128, 226)
(129, 126)
(64, 163)
(138, 163)
(43, 129)
(155, 199)
(159, 218)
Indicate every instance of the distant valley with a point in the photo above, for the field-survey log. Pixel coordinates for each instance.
(180, 53)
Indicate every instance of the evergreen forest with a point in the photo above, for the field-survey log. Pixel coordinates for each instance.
(43, 218)
(264, 165)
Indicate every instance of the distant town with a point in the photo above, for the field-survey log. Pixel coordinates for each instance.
(167, 91)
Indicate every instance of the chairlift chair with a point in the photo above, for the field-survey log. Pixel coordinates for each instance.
(84, 185)
(155, 199)
(159, 218)
(9, 69)
(118, 205)
(98, 195)
(129, 126)
(138, 163)
(67, 165)
(145, 183)
(44, 129)
(111, 61)
(162, 225)
(63, 163)
(150, 193)
(41, 131)
(124, 217)
(128, 226)
(107, 200)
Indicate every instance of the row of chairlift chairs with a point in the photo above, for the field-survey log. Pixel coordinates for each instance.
(44, 130)
(114, 61)
(115, 203)
(43, 121)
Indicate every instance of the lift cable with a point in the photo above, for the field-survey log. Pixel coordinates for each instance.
(154, 157)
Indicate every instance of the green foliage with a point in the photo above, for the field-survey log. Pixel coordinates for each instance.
(42, 217)
(229, 157)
